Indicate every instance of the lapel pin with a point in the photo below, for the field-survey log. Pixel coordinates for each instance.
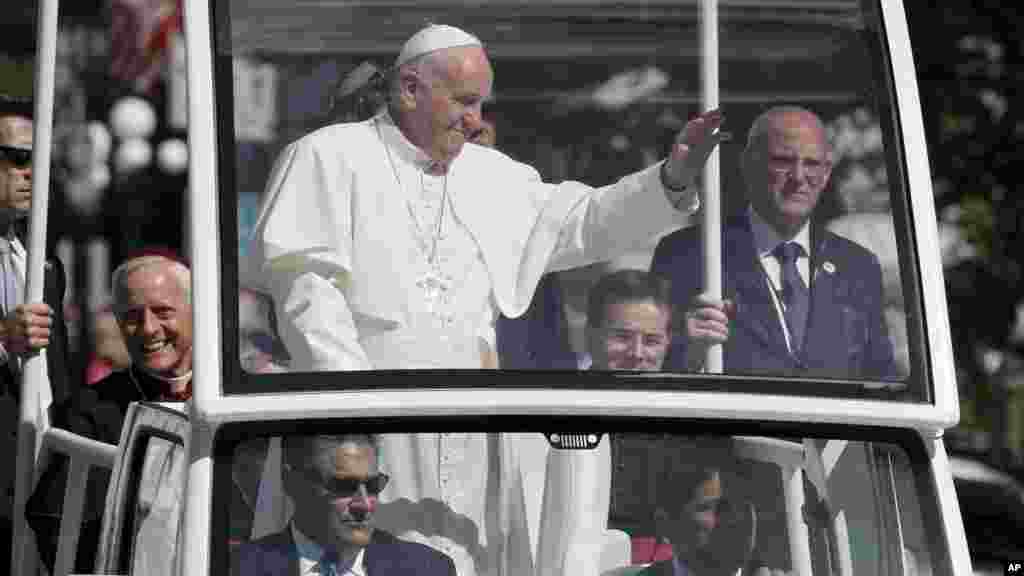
(829, 267)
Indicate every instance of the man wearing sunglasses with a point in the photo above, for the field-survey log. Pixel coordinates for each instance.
(333, 483)
(25, 328)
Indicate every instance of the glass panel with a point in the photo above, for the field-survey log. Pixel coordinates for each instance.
(364, 261)
(518, 503)
(155, 521)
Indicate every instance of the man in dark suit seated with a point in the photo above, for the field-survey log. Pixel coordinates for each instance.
(798, 298)
(539, 339)
(333, 482)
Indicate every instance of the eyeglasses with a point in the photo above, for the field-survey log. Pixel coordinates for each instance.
(785, 165)
(19, 157)
(344, 487)
(625, 337)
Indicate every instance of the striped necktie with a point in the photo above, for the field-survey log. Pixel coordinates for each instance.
(794, 293)
(328, 564)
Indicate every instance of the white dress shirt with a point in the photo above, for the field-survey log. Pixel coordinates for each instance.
(18, 258)
(766, 239)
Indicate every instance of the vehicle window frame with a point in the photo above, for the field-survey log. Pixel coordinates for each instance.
(131, 525)
(126, 541)
(230, 436)
(916, 389)
(142, 421)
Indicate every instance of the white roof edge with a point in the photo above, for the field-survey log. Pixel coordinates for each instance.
(655, 404)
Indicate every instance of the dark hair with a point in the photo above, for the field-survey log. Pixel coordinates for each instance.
(626, 286)
(16, 106)
(360, 94)
(301, 451)
(689, 461)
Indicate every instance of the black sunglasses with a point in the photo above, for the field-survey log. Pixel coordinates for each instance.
(344, 487)
(20, 157)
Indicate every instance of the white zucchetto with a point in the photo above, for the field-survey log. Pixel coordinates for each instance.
(432, 38)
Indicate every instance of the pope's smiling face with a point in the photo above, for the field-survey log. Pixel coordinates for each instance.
(156, 320)
(446, 97)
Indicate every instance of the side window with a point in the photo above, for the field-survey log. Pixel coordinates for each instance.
(155, 507)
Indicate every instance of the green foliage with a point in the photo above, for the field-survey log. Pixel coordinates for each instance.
(977, 222)
(15, 76)
(970, 65)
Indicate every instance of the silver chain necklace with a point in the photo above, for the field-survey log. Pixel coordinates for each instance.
(431, 254)
(435, 283)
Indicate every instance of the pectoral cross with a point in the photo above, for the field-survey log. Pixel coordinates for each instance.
(436, 286)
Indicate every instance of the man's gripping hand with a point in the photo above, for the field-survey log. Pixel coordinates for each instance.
(707, 324)
(26, 329)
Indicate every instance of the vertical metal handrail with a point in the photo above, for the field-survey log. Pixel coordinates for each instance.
(712, 210)
(35, 387)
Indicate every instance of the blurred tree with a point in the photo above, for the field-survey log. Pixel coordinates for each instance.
(969, 65)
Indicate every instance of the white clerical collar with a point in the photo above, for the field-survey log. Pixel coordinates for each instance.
(766, 238)
(173, 380)
(310, 553)
(403, 148)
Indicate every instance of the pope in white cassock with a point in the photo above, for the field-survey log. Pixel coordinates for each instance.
(392, 243)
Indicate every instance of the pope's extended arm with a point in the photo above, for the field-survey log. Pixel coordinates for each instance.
(691, 149)
(608, 221)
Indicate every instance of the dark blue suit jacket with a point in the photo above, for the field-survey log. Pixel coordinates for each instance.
(539, 339)
(846, 334)
(275, 555)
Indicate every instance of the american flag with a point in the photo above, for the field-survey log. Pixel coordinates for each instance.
(141, 33)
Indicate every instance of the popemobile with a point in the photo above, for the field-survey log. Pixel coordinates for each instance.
(354, 279)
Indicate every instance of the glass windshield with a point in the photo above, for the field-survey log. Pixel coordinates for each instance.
(505, 207)
(536, 503)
